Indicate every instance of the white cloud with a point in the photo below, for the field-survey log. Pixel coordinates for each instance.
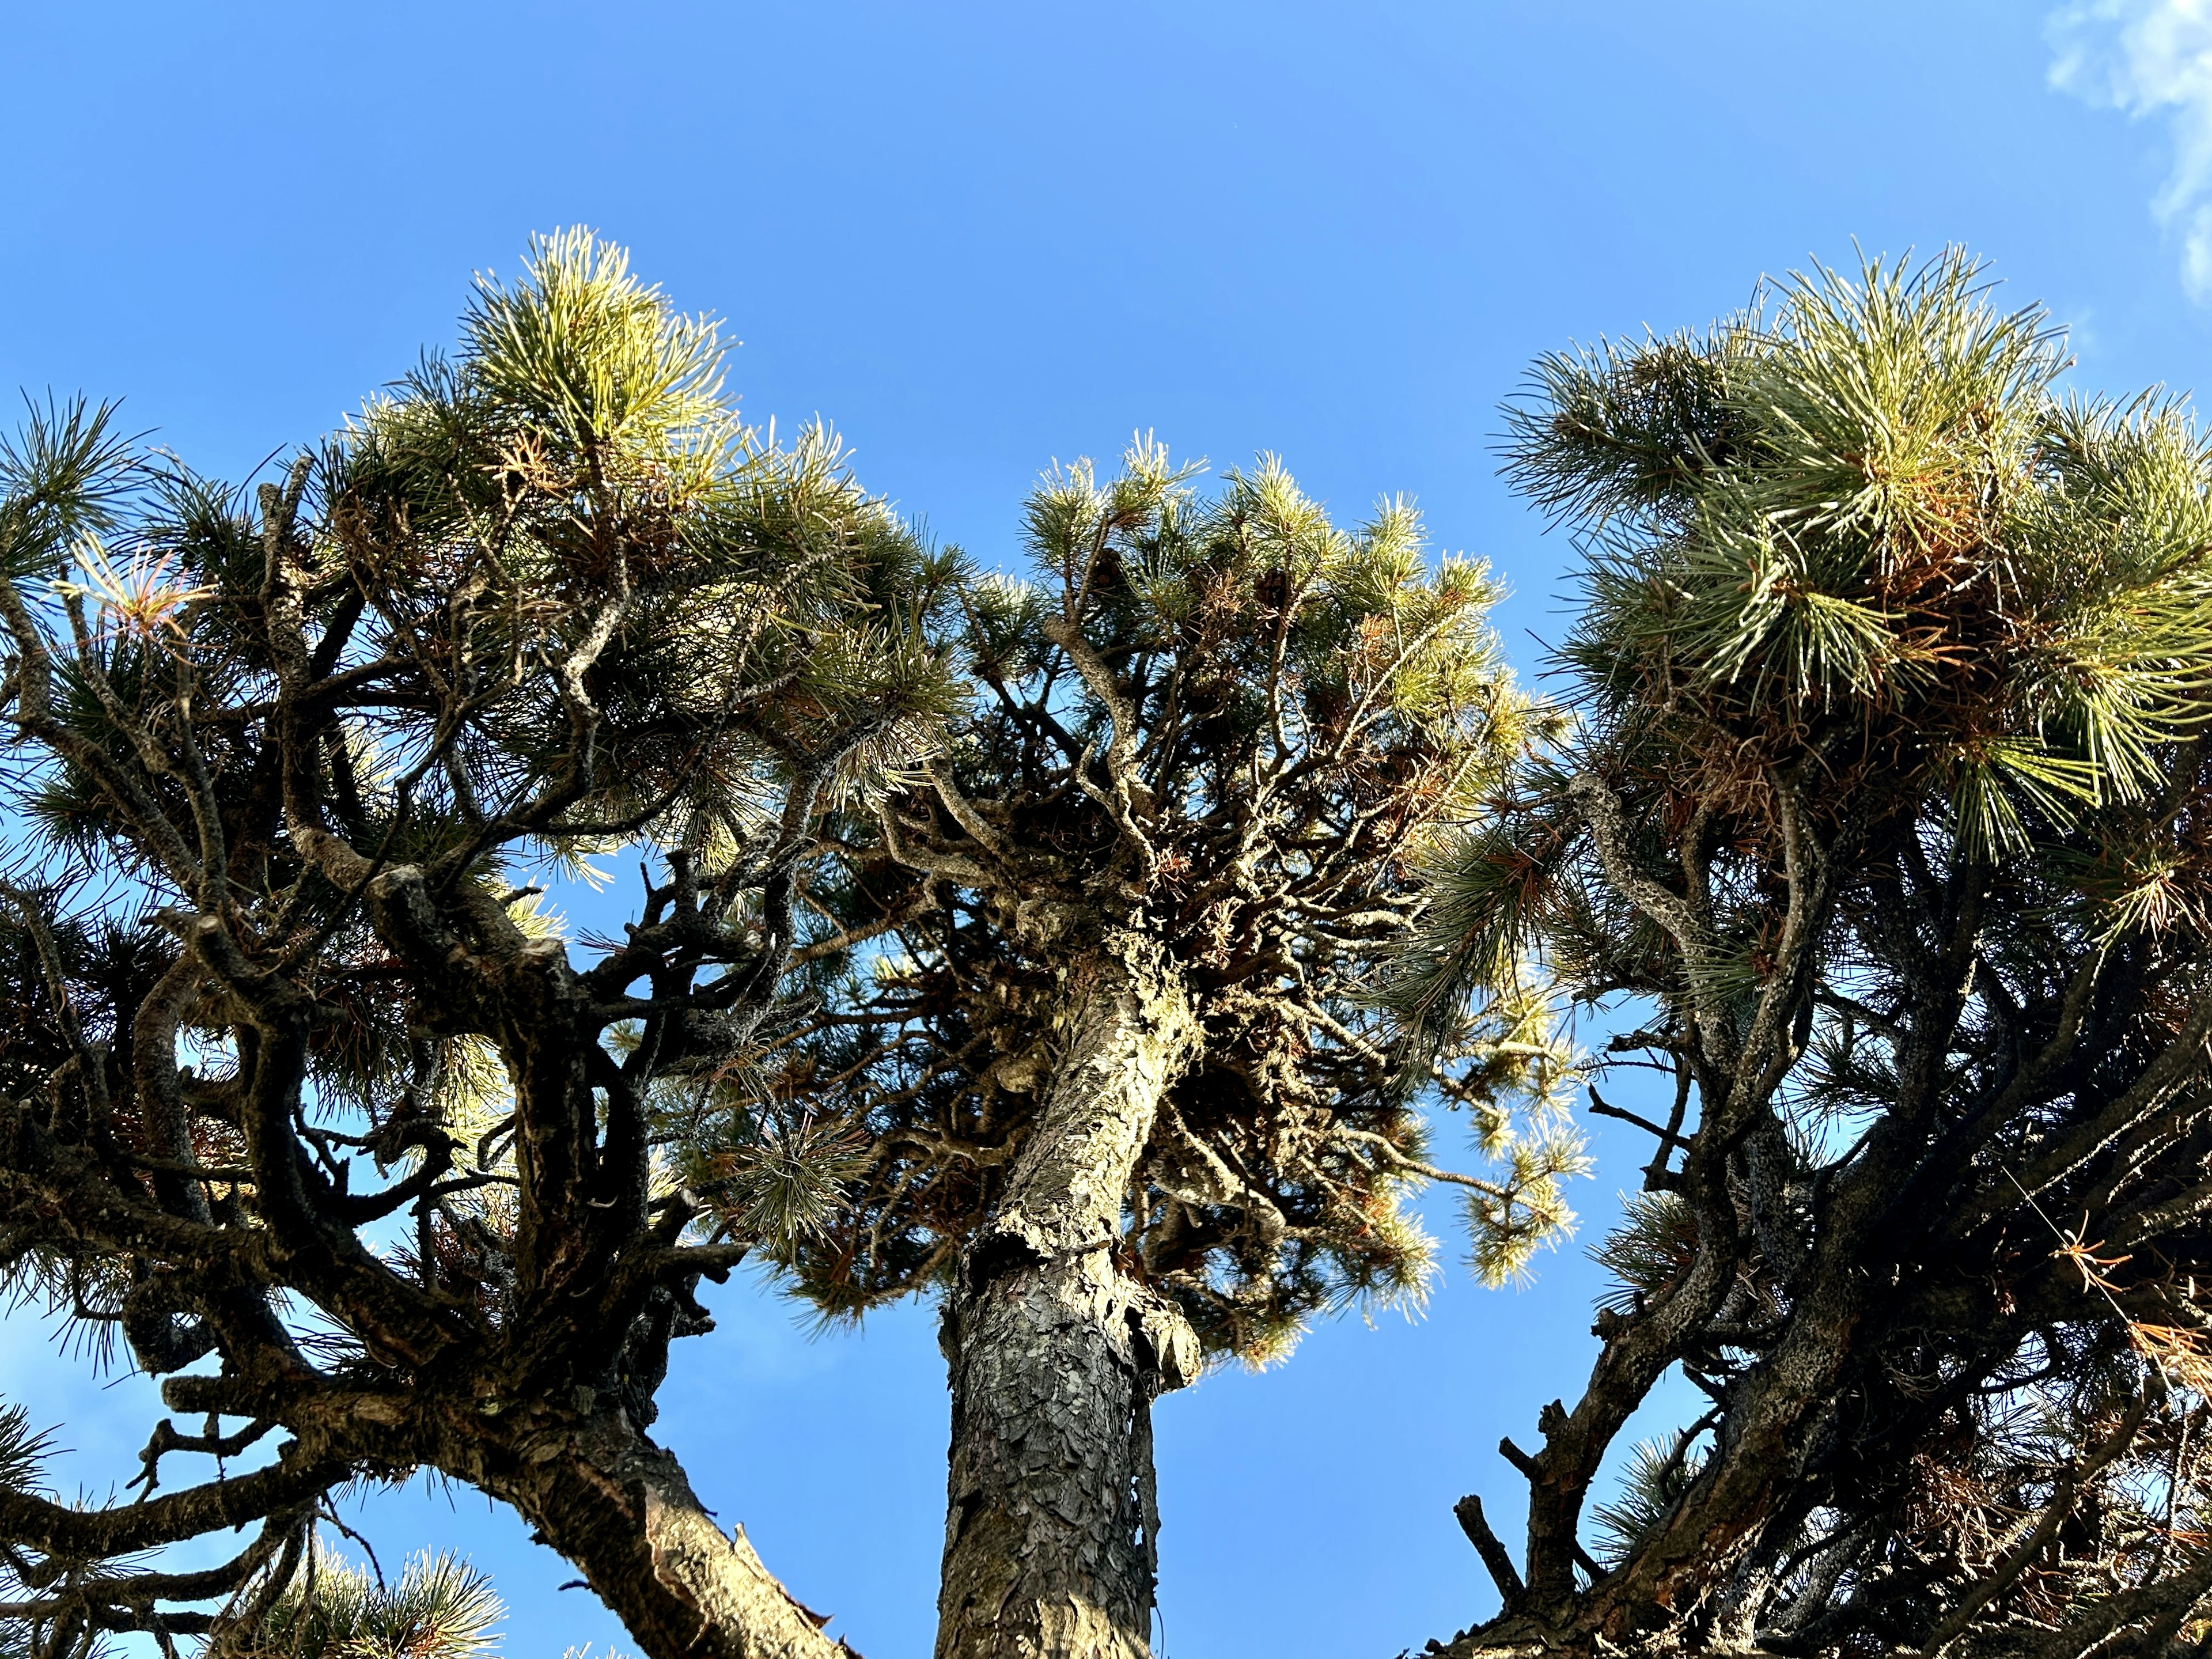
(2152, 58)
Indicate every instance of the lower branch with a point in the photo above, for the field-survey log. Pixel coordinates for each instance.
(619, 1507)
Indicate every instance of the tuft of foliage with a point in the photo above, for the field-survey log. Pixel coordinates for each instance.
(23, 1449)
(441, 1608)
(1654, 1244)
(1658, 1475)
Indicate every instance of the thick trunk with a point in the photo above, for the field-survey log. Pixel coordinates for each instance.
(1056, 1355)
(619, 1507)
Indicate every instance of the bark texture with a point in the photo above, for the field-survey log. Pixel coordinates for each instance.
(1056, 1354)
(618, 1506)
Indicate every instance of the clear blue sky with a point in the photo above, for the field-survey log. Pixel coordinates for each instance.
(980, 237)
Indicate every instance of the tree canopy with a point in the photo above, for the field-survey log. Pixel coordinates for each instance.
(1088, 950)
(1004, 940)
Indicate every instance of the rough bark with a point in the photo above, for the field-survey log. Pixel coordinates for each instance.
(1056, 1354)
(619, 1508)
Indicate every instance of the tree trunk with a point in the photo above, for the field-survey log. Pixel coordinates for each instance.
(619, 1507)
(1049, 1547)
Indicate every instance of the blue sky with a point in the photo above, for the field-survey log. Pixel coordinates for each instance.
(982, 237)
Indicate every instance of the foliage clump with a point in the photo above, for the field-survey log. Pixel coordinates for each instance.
(441, 1608)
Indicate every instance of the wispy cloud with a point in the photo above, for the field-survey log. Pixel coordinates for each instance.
(2152, 58)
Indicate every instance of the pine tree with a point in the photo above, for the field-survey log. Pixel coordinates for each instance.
(294, 1073)
(1091, 1026)
(1884, 825)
